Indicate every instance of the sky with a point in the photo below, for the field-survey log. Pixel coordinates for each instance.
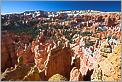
(22, 6)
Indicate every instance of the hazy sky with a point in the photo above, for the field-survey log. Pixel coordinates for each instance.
(21, 6)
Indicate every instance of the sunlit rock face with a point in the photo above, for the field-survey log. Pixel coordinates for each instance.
(57, 77)
(110, 66)
(75, 75)
(54, 58)
(41, 52)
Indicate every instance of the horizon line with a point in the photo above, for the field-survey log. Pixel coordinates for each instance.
(57, 11)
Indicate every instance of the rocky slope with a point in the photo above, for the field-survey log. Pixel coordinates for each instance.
(81, 51)
(110, 66)
(13, 46)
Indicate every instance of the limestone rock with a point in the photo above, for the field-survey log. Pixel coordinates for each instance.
(75, 75)
(57, 77)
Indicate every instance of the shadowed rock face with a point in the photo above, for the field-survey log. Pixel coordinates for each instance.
(87, 77)
(10, 47)
(26, 72)
(8, 55)
(27, 54)
(33, 75)
(17, 73)
(59, 62)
